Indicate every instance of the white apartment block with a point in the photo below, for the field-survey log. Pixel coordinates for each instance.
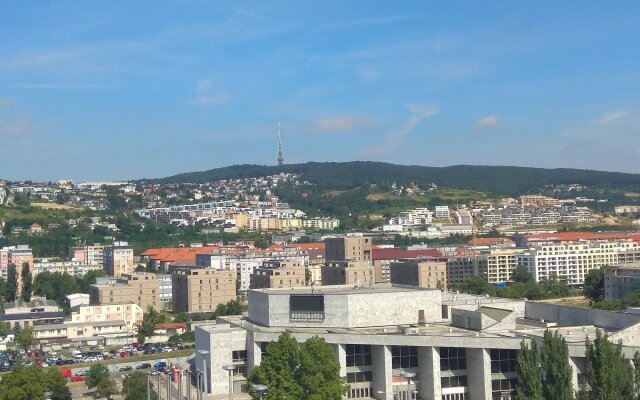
(441, 212)
(73, 268)
(573, 261)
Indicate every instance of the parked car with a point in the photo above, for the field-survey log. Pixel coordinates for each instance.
(143, 366)
(65, 373)
(125, 368)
(160, 365)
(78, 378)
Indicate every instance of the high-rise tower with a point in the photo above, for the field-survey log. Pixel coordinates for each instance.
(280, 156)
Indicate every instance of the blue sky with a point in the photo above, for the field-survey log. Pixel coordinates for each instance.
(131, 89)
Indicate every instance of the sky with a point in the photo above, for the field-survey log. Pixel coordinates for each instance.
(96, 90)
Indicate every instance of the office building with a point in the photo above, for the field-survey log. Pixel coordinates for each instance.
(620, 280)
(430, 274)
(139, 288)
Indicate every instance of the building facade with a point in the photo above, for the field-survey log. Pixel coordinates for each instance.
(197, 290)
(142, 289)
(278, 274)
(118, 259)
(430, 274)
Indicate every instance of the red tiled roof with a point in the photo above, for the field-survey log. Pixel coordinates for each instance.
(397, 254)
(169, 254)
(309, 246)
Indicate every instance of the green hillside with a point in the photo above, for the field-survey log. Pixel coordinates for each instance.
(497, 180)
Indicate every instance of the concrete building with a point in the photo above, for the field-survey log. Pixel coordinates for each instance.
(278, 274)
(73, 268)
(78, 299)
(620, 280)
(430, 274)
(118, 259)
(139, 288)
(348, 273)
(37, 312)
(349, 248)
(198, 290)
(404, 343)
(383, 257)
(88, 254)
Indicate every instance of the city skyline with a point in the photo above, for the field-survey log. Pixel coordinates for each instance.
(97, 92)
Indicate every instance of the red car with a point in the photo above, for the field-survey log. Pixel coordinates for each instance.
(78, 378)
(124, 354)
(65, 373)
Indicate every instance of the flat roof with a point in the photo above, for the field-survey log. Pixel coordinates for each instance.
(343, 289)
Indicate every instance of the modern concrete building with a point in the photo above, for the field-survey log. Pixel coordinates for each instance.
(198, 290)
(430, 274)
(351, 248)
(88, 254)
(118, 259)
(347, 273)
(278, 274)
(620, 280)
(404, 343)
(166, 291)
(139, 288)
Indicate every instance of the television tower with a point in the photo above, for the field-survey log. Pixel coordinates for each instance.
(280, 157)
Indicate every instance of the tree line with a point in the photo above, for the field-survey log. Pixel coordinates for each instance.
(545, 372)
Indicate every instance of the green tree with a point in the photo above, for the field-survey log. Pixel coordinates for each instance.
(319, 372)
(607, 373)
(27, 282)
(97, 373)
(521, 274)
(477, 285)
(557, 373)
(146, 327)
(25, 337)
(593, 287)
(106, 388)
(56, 384)
(530, 373)
(134, 387)
(23, 383)
(12, 282)
(277, 370)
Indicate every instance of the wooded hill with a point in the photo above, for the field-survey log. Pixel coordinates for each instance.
(497, 180)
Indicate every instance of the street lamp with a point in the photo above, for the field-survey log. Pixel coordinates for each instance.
(260, 389)
(230, 369)
(205, 384)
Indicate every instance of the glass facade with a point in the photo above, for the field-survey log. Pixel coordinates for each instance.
(358, 355)
(404, 357)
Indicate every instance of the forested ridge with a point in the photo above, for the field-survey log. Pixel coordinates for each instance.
(499, 180)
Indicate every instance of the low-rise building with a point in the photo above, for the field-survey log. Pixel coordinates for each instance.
(73, 268)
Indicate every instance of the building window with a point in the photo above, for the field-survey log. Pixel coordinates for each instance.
(503, 360)
(239, 356)
(453, 381)
(354, 377)
(503, 388)
(404, 357)
(358, 355)
(453, 358)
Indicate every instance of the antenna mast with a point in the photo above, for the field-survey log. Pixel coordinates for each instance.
(280, 156)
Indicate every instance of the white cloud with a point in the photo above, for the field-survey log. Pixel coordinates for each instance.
(5, 102)
(339, 123)
(18, 127)
(206, 97)
(487, 122)
(393, 140)
(613, 116)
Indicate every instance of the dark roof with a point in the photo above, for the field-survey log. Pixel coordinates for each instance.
(398, 254)
(38, 315)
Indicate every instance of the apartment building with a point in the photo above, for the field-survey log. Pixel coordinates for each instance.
(461, 267)
(383, 257)
(572, 261)
(118, 259)
(354, 273)
(620, 280)
(73, 268)
(351, 248)
(198, 290)
(16, 255)
(92, 323)
(321, 224)
(278, 274)
(430, 274)
(533, 199)
(245, 261)
(166, 291)
(88, 254)
(142, 289)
